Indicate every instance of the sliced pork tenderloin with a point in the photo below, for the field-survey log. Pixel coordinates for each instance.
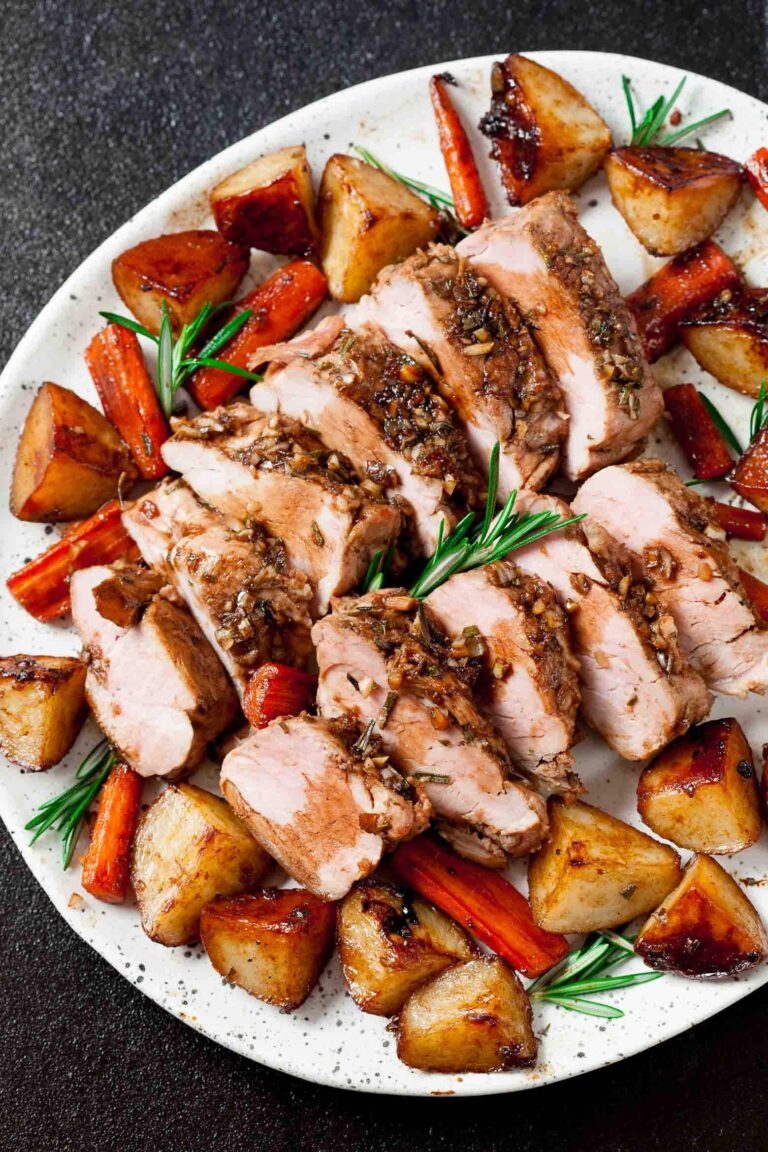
(670, 530)
(542, 258)
(322, 798)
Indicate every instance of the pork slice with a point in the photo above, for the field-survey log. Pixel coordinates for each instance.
(543, 259)
(637, 689)
(156, 687)
(442, 313)
(251, 605)
(322, 798)
(378, 406)
(272, 470)
(529, 683)
(670, 530)
(381, 658)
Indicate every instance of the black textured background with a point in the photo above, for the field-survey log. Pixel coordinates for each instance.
(102, 106)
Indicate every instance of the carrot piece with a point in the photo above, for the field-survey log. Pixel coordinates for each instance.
(280, 306)
(482, 901)
(275, 690)
(757, 594)
(469, 199)
(696, 432)
(741, 523)
(675, 291)
(750, 476)
(42, 585)
(107, 861)
(128, 396)
(757, 174)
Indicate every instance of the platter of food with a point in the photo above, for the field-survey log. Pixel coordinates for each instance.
(385, 628)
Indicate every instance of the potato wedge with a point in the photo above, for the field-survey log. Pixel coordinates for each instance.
(390, 943)
(69, 460)
(672, 198)
(596, 872)
(187, 269)
(269, 204)
(273, 943)
(474, 1017)
(705, 927)
(189, 848)
(367, 220)
(544, 134)
(729, 338)
(42, 708)
(701, 791)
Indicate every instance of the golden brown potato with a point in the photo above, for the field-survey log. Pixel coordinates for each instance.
(187, 269)
(596, 871)
(705, 927)
(474, 1017)
(729, 338)
(189, 848)
(544, 134)
(273, 943)
(390, 943)
(269, 204)
(69, 460)
(672, 198)
(367, 220)
(701, 791)
(42, 708)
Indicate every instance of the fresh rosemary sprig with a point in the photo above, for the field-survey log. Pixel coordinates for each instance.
(175, 362)
(471, 546)
(582, 972)
(440, 201)
(759, 415)
(65, 813)
(722, 425)
(377, 569)
(646, 131)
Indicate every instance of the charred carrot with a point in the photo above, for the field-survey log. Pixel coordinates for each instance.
(107, 861)
(750, 476)
(757, 174)
(757, 594)
(675, 291)
(469, 199)
(128, 396)
(696, 432)
(481, 901)
(42, 585)
(275, 690)
(740, 523)
(280, 306)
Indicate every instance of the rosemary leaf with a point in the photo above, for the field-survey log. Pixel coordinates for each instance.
(65, 813)
(759, 416)
(131, 325)
(646, 132)
(165, 363)
(722, 425)
(589, 1007)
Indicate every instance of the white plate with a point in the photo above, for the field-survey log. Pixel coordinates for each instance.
(328, 1040)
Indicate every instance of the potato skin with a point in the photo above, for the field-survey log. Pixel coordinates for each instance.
(269, 204)
(701, 791)
(474, 1017)
(69, 460)
(273, 943)
(390, 943)
(42, 708)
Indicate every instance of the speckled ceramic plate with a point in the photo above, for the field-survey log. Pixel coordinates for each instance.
(328, 1040)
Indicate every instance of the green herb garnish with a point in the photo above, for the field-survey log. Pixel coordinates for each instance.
(722, 425)
(759, 415)
(438, 200)
(645, 131)
(582, 973)
(65, 813)
(377, 570)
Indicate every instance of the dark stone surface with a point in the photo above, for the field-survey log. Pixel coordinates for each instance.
(103, 106)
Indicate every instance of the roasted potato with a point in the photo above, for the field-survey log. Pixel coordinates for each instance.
(750, 476)
(544, 134)
(729, 338)
(474, 1017)
(596, 871)
(367, 220)
(189, 848)
(705, 927)
(269, 204)
(672, 198)
(42, 708)
(273, 943)
(390, 943)
(69, 460)
(701, 791)
(187, 269)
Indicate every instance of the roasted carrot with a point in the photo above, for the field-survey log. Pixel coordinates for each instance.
(280, 306)
(469, 199)
(740, 523)
(42, 585)
(107, 861)
(275, 690)
(675, 291)
(128, 396)
(696, 432)
(757, 594)
(482, 901)
(757, 174)
(750, 476)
